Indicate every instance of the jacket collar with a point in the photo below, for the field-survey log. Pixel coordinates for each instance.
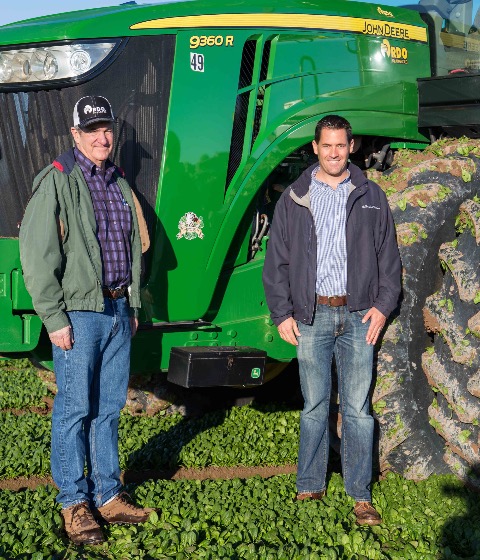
(300, 189)
(65, 162)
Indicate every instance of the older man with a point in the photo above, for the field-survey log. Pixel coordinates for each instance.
(332, 277)
(81, 251)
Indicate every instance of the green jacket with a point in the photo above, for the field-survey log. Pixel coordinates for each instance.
(59, 251)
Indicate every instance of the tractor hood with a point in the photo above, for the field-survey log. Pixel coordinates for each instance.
(132, 19)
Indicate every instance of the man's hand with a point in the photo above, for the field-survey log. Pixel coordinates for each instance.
(288, 331)
(377, 322)
(62, 338)
(133, 325)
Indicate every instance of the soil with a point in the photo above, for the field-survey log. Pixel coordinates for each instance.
(40, 410)
(431, 322)
(32, 482)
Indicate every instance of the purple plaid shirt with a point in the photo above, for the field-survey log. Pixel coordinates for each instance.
(114, 221)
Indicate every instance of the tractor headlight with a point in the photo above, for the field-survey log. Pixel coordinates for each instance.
(52, 62)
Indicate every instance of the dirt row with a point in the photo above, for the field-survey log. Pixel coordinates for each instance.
(207, 473)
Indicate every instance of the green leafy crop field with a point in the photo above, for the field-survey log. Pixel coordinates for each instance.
(240, 436)
(257, 519)
(252, 518)
(20, 385)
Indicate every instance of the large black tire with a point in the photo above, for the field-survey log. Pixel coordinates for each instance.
(452, 363)
(425, 192)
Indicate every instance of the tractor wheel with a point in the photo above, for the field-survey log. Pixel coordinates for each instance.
(451, 365)
(425, 191)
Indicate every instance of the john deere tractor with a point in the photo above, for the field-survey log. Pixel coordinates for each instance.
(216, 105)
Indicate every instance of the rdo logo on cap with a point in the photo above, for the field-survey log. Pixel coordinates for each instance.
(95, 110)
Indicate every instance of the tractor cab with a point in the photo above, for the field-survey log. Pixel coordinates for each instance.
(448, 100)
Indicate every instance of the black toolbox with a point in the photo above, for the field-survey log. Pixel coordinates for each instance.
(216, 366)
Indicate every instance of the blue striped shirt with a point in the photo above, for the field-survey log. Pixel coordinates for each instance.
(329, 211)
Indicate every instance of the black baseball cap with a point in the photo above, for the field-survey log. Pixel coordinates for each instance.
(92, 109)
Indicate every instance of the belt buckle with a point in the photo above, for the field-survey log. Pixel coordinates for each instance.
(117, 292)
(114, 293)
(330, 298)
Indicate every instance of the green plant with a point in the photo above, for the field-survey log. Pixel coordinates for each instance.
(241, 436)
(24, 444)
(258, 518)
(20, 385)
(246, 436)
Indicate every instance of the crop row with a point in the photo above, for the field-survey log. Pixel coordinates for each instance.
(257, 519)
(20, 385)
(241, 436)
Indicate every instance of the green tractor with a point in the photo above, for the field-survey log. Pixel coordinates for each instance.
(217, 105)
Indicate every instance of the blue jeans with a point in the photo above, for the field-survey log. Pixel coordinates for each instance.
(92, 382)
(336, 331)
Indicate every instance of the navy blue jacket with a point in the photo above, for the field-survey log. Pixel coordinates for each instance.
(373, 260)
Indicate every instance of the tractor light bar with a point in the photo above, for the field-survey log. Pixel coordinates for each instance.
(51, 62)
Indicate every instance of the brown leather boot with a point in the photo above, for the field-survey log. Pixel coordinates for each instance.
(366, 514)
(121, 510)
(80, 525)
(310, 496)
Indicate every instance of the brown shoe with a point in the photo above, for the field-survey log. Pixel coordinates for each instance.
(121, 510)
(366, 514)
(81, 526)
(309, 496)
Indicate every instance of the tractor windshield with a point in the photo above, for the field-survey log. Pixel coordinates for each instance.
(454, 33)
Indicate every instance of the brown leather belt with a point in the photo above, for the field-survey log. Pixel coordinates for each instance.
(114, 293)
(332, 301)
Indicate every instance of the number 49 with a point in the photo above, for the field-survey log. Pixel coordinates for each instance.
(197, 62)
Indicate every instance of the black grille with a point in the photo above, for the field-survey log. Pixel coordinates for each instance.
(248, 62)
(238, 134)
(35, 126)
(265, 60)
